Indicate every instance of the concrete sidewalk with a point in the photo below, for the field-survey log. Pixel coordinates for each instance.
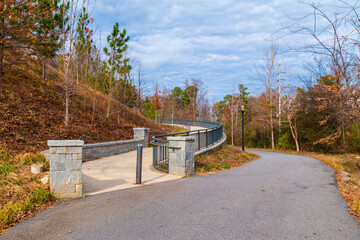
(119, 172)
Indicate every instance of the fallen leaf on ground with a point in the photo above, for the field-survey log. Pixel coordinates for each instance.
(314, 233)
(69, 232)
(41, 219)
(340, 229)
(263, 190)
(59, 235)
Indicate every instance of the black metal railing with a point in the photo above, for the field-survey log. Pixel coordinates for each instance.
(212, 133)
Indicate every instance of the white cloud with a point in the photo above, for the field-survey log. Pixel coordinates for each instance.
(216, 41)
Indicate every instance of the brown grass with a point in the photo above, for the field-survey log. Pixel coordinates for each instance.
(21, 192)
(32, 112)
(225, 158)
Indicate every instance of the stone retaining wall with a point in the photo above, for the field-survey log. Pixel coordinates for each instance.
(106, 149)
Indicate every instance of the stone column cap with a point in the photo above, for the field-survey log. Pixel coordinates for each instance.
(181, 138)
(65, 143)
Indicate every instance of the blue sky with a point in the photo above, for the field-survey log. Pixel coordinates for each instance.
(215, 41)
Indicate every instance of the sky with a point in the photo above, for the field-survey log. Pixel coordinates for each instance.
(218, 42)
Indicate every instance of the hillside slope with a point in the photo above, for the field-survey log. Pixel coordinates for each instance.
(32, 112)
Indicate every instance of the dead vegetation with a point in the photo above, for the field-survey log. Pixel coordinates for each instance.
(21, 192)
(32, 111)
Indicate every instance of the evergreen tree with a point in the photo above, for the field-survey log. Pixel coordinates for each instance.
(48, 29)
(117, 44)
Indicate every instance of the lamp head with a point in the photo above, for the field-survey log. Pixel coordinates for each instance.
(242, 108)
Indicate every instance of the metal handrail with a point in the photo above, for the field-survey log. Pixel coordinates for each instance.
(212, 134)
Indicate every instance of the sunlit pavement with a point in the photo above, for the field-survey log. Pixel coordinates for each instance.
(119, 172)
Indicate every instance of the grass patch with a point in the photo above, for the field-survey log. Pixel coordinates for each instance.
(6, 168)
(14, 212)
(35, 158)
(225, 158)
(21, 192)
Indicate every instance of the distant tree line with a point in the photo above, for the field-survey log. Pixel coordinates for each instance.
(321, 115)
(187, 102)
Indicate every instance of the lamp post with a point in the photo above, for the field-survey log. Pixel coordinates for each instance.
(242, 114)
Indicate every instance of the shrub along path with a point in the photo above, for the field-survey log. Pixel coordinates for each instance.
(278, 196)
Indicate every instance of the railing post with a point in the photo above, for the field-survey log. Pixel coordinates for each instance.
(206, 139)
(198, 138)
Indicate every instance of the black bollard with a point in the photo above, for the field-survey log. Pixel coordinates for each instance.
(139, 163)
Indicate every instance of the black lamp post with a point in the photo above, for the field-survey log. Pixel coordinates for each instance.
(242, 114)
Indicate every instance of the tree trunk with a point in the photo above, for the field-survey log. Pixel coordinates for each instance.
(109, 103)
(44, 66)
(1, 64)
(67, 98)
(232, 129)
(294, 134)
(272, 130)
(2, 35)
(94, 105)
(124, 99)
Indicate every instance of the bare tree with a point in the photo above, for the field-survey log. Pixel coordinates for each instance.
(72, 55)
(267, 73)
(334, 44)
(200, 101)
(141, 84)
(290, 108)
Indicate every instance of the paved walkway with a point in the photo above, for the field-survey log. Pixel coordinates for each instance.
(278, 196)
(119, 172)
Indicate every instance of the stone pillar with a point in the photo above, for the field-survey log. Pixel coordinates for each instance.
(65, 168)
(182, 156)
(142, 133)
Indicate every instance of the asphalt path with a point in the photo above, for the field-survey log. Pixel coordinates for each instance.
(278, 196)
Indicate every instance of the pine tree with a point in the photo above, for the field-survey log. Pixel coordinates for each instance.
(117, 44)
